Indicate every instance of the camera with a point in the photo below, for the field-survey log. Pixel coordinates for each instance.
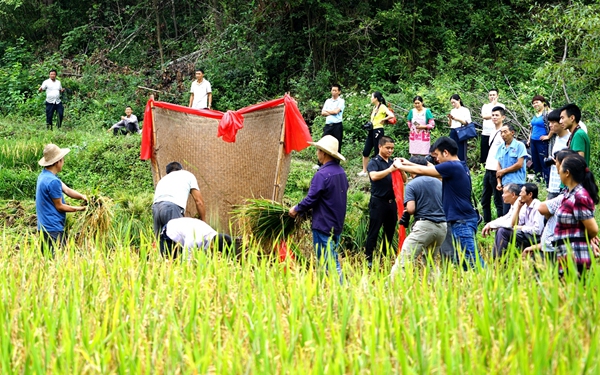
(405, 219)
(549, 161)
(368, 126)
(430, 159)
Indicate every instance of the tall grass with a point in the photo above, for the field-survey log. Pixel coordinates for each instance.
(118, 312)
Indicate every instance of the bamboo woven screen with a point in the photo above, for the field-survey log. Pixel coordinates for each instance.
(227, 173)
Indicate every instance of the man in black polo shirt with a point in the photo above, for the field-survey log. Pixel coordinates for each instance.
(382, 207)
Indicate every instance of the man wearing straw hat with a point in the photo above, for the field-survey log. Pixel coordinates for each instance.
(49, 200)
(327, 197)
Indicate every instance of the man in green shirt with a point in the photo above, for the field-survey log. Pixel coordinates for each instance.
(579, 140)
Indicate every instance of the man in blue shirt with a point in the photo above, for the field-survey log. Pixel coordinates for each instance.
(327, 196)
(49, 201)
(456, 196)
(333, 110)
(511, 161)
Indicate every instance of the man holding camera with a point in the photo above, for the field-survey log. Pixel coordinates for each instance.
(456, 196)
(423, 200)
(491, 166)
(561, 137)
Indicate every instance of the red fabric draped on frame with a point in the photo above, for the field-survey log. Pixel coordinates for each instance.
(398, 185)
(297, 135)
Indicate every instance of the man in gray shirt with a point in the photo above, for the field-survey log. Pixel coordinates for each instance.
(128, 123)
(423, 200)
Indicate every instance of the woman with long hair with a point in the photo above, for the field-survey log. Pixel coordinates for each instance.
(459, 116)
(379, 116)
(539, 136)
(420, 122)
(576, 226)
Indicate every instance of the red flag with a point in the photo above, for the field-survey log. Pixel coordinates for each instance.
(398, 185)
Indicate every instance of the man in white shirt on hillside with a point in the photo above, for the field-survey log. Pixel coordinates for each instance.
(53, 90)
(487, 130)
(201, 92)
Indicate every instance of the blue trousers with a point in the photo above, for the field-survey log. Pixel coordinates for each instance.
(463, 232)
(326, 250)
(539, 151)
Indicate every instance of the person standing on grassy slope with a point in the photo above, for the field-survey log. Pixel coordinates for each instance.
(423, 200)
(200, 92)
(558, 142)
(383, 210)
(488, 128)
(456, 196)
(171, 196)
(327, 196)
(570, 115)
(491, 165)
(333, 109)
(50, 204)
(53, 90)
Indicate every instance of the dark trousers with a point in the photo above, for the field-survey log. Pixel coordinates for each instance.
(162, 213)
(50, 109)
(382, 212)
(50, 241)
(484, 148)
(462, 146)
(504, 237)
(539, 151)
(336, 130)
(372, 142)
(489, 191)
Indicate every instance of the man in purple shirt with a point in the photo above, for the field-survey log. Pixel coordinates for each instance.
(327, 197)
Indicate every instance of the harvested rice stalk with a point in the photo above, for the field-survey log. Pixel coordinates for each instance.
(267, 220)
(96, 221)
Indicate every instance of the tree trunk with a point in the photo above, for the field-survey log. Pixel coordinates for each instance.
(160, 49)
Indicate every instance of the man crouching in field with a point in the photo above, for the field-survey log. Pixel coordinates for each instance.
(327, 197)
(50, 204)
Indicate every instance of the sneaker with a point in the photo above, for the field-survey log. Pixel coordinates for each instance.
(362, 174)
(316, 167)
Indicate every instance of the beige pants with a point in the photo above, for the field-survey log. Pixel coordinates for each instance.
(424, 234)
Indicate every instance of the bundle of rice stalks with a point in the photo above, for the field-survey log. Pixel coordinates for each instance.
(96, 221)
(266, 220)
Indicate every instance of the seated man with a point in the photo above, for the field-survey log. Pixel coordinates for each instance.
(527, 222)
(423, 199)
(128, 123)
(510, 194)
(189, 233)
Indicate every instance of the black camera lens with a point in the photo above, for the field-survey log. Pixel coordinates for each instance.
(549, 161)
(430, 159)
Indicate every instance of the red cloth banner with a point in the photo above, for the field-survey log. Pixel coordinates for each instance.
(398, 186)
(297, 134)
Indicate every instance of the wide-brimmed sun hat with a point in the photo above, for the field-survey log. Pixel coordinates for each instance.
(329, 145)
(52, 154)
